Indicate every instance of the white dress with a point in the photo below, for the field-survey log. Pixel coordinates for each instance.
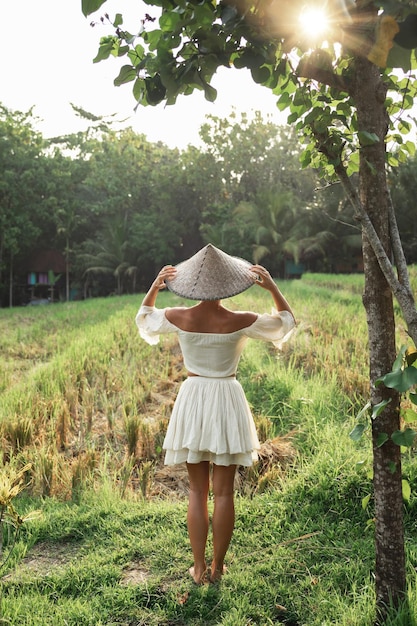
(211, 419)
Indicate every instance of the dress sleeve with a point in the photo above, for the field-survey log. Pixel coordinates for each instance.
(276, 327)
(152, 322)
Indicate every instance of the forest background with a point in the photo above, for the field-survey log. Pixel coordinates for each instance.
(117, 206)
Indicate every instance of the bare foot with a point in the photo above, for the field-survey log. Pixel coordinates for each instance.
(216, 573)
(200, 578)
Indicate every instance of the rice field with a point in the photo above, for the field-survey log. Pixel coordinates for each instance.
(84, 405)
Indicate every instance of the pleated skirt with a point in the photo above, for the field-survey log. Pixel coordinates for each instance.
(211, 421)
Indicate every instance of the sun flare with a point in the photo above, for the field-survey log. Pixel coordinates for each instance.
(314, 22)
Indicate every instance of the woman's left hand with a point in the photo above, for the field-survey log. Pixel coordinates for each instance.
(167, 273)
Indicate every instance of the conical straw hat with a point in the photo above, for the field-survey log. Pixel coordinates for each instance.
(211, 274)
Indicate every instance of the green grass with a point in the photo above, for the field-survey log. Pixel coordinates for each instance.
(75, 379)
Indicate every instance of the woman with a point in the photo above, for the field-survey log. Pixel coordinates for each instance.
(211, 421)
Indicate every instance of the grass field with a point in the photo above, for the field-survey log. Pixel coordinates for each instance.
(84, 404)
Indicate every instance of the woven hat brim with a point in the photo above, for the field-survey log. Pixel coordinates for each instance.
(211, 275)
(219, 296)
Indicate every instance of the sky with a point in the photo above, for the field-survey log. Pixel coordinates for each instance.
(47, 49)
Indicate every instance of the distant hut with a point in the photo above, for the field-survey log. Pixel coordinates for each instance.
(46, 270)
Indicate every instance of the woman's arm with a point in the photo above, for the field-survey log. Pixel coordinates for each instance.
(266, 281)
(167, 272)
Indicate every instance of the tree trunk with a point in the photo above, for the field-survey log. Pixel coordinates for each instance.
(1, 256)
(11, 281)
(369, 94)
(67, 281)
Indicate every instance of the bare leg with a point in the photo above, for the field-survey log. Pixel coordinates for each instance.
(223, 521)
(197, 516)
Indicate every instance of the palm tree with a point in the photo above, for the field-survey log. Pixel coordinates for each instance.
(267, 220)
(112, 255)
(283, 229)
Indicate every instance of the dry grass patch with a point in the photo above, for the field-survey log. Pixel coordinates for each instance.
(99, 411)
(44, 559)
(275, 456)
(134, 574)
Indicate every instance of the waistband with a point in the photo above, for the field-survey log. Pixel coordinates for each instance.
(191, 375)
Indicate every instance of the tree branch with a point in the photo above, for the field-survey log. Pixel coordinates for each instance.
(399, 285)
(397, 249)
(307, 68)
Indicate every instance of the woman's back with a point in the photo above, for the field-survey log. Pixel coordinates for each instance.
(210, 317)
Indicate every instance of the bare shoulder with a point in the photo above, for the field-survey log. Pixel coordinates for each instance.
(208, 319)
(241, 319)
(176, 314)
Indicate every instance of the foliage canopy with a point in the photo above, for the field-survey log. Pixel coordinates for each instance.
(311, 74)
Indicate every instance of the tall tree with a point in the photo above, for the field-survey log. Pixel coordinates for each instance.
(335, 213)
(111, 255)
(259, 170)
(335, 85)
(22, 186)
(66, 200)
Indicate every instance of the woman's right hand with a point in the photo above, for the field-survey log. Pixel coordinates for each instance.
(167, 273)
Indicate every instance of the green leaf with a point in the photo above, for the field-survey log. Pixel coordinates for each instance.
(392, 160)
(168, 21)
(293, 117)
(302, 99)
(107, 45)
(409, 416)
(413, 397)
(410, 147)
(155, 90)
(357, 432)
(410, 376)
(381, 439)
(365, 501)
(204, 15)
(139, 89)
(406, 489)
(367, 139)
(210, 93)
(305, 158)
(239, 62)
(312, 115)
(404, 437)
(126, 75)
(404, 127)
(283, 101)
(378, 408)
(249, 59)
(353, 163)
(398, 363)
(118, 20)
(399, 57)
(153, 38)
(401, 380)
(136, 55)
(122, 51)
(260, 75)
(364, 411)
(90, 6)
